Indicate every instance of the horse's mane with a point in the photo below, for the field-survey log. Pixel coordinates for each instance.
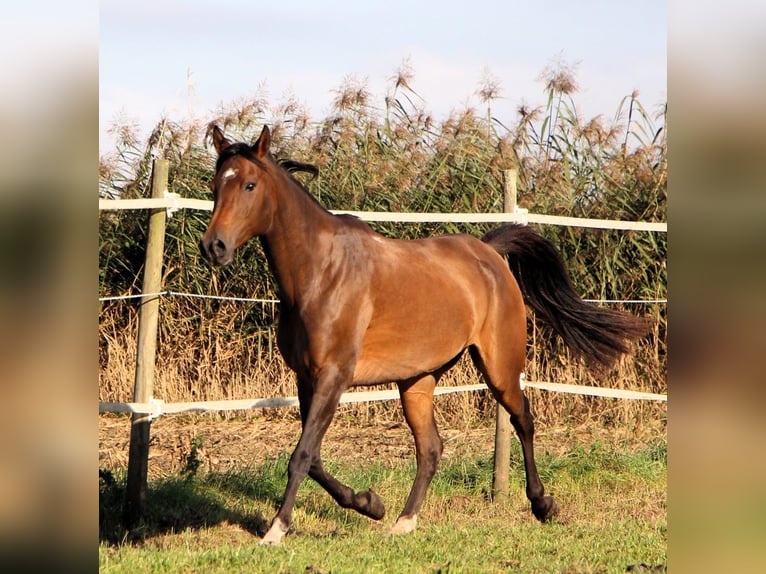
(289, 166)
(235, 149)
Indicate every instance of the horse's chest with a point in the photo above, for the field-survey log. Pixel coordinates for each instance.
(309, 341)
(292, 340)
(296, 337)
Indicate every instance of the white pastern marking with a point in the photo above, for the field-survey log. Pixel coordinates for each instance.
(229, 173)
(405, 524)
(274, 536)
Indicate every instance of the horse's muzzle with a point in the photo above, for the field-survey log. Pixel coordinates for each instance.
(216, 251)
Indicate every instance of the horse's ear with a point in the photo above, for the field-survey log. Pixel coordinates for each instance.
(219, 140)
(263, 143)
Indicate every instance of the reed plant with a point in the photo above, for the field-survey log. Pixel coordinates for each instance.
(392, 155)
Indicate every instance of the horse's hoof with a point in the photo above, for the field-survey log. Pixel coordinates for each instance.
(545, 508)
(370, 504)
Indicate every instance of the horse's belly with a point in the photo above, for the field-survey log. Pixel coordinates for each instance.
(406, 353)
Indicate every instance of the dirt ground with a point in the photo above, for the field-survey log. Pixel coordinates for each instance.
(227, 443)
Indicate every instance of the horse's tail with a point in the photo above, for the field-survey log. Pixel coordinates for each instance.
(597, 334)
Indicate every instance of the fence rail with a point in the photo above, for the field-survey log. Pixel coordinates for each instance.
(156, 408)
(172, 204)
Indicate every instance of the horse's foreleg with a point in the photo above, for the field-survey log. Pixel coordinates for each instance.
(317, 410)
(366, 502)
(418, 405)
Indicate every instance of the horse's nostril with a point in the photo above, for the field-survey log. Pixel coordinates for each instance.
(212, 250)
(218, 247)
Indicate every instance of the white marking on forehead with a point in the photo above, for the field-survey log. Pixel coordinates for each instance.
(229, 173)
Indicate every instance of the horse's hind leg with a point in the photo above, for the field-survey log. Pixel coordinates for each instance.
(504, 383)
(418, 405)
(543, 507)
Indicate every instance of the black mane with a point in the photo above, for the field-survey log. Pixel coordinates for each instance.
(244, 150)
(235, 149)
(288, 165)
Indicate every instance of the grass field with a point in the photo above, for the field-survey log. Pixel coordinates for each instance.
(612, 495)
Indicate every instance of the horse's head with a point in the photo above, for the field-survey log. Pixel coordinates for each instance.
(243, 196)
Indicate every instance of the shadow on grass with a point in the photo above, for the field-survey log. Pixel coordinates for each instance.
(178, 503)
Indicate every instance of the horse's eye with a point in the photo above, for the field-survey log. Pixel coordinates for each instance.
(249, 186)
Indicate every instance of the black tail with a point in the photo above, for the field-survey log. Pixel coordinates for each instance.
(597, 334)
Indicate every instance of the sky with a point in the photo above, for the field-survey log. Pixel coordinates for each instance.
(182, 59)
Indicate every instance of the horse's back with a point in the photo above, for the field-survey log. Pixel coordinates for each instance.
(456, 266)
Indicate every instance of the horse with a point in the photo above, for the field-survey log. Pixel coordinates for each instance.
(358, 308)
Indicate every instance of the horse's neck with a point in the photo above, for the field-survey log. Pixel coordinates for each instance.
(291, 243)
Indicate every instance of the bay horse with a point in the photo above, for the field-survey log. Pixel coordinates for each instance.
(358, 308)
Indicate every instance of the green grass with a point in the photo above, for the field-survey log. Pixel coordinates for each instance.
(612, 516)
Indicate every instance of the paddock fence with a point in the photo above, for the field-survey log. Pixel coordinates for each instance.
(171, 203)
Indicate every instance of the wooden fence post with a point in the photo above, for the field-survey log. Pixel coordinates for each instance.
(503, 421)
(138, 457)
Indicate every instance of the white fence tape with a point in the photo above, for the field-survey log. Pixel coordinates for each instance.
(519, 216)
(156, 408)
(174, 203)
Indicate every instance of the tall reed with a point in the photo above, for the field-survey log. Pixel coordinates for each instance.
(394, 156)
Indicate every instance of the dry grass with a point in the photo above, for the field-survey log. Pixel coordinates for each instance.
(192, 367)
